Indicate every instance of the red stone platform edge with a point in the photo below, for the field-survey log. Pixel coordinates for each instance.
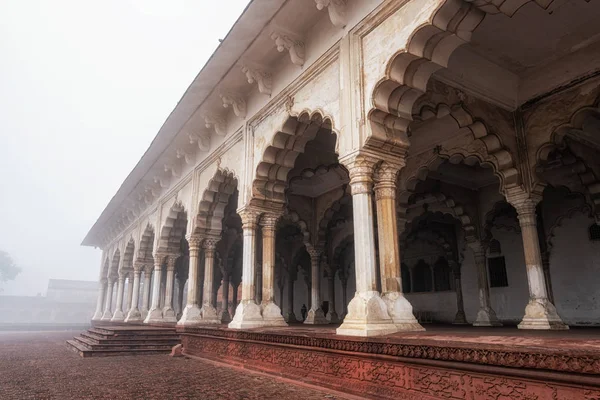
(394, 369)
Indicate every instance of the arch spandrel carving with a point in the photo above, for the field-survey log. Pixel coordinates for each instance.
(212, 202)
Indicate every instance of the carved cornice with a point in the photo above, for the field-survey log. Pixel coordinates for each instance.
(187, 157)
(285, 40)
(203, 141)
(174, 169)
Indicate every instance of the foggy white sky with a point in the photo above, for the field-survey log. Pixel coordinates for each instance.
(84, 88)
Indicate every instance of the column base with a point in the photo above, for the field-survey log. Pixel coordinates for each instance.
(316, 317)
(271, 314)
(247, 316)
(290, 317)
(133, 315)
(367, 316)
(486, 317)
(169, 314)
(118, 316)
(154, 315)
(144, 314)
(97, 316)
(191, 316)
(460, 319)
(542, 315)
(106, 316)
(401, 312)
(332, 317)
(209, 314)
(224, 316)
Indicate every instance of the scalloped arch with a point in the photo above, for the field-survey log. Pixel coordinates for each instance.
(114, 264)
(128, 254)
(557, 143)
(428, 50)
(211, 209)
(294, 218)
(278, 158)
(173, 228)
(146, 243)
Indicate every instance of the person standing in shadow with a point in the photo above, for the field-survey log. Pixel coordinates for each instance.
(303, 312)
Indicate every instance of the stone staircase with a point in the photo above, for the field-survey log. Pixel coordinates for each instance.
(101, 341)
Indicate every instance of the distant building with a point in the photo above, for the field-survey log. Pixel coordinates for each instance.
(66, 303)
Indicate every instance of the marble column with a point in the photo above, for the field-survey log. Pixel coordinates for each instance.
(315, 313)
(247, 313)
(290, 316)
(486, 316)
(129, 292)
(119, 315)
(224, 316)
(540, 313)
(168, 311)
(134, 314)
(271, 312)
(234, 298)
(180, 287)
(146, 292)
(332, 315)
(344, 282)
(191, 313)
(155, 312)
(100, 301)
(208, 311)
(399, 308)
(459, 318)
(107, 314)
(367, 312)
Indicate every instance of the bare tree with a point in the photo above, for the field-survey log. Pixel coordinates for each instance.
(8, 269)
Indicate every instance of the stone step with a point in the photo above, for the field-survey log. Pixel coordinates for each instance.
(142, 345)
(85, 351)
(126, 338)
(118, 331)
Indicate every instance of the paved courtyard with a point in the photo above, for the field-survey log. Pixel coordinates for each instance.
(38, 365)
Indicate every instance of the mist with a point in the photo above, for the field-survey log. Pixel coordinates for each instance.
(84, 88)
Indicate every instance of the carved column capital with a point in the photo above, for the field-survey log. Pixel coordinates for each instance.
(210, 244)
(249, 218)
(268, 223)
(148, 270)
(525, 204)
(360, 168)
(194, 242)
(171, 260)
(385, 177)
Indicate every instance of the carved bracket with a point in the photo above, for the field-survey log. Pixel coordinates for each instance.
(187, 157)
(263, 79)
(290, 42)
(160, 182)
(217, 123)
(175, 172)
(336, 9)
(203, 141)
(236, 101)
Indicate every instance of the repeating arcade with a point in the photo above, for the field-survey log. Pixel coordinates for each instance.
(402, 162)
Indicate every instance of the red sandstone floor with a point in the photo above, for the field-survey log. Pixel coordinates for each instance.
(38, 365)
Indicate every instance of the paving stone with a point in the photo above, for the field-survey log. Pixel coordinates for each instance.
(38, 365)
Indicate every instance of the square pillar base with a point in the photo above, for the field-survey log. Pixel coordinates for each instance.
(191, 316)
(401, 312)
(541, 315)
(367, 316)
(486, 317)
(271, 314)
(133, 315)
(247, 316)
